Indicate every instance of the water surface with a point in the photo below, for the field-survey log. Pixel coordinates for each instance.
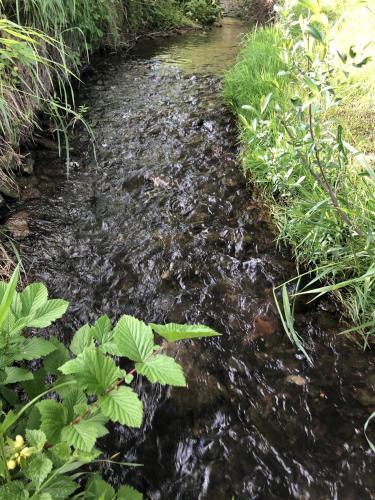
(165, 227)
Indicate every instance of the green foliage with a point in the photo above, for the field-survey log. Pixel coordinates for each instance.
(287, 90)
(42, 43)
(45, 442)
(203, 11)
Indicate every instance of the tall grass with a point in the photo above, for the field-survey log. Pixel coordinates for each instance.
(340, 257)
(41, 47)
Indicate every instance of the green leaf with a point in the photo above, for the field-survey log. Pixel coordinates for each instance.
(173, 331)
(8, 296)
(315, 33)
(133, 338)
(162, 369)
(95, 372)
(15, 374)
(74, 398)
(264, 102)
(60, 454)
(61, 487)
(98, 489)
(34, 348)
(123, 405)
(53, 419)
(102, 329)
(32, 298)
(47, 314)
(37, 385)
(313, 5)
(82, 338)
(37, 469)
(81, 436)
(57, 358)
(127, 492)
(14, 491)
(36, 438)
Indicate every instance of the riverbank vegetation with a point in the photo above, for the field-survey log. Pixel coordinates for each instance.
(44, 43)
(53, 414)
(304, 92)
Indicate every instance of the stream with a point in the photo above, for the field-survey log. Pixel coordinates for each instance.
(164, 226)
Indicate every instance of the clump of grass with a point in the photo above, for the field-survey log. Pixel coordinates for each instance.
(329, 221)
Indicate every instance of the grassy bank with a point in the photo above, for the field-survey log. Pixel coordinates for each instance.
(304, 93)
(42, 46)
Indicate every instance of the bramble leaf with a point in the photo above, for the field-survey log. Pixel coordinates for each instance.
(34, 348)
(97, 488)
(134, 338)
(81, 436)
(48, 313)
(53, 419)
(173, 331)
(162, 369)
(127, 492)
(123, 405)
(15, 374)
(33, 297)
(82, 338)
(102, 329)
(95, 372)
(61, 487)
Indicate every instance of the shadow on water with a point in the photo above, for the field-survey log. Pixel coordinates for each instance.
(165, 228)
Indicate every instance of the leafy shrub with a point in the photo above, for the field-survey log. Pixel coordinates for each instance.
(319, 186)
(73, 393)
(203, 11)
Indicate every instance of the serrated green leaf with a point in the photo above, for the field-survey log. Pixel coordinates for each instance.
(82, 338)
(37, 385)
(42, 496)
(36, 438)
(33, 297)
(48, 313)
(102, 329)
(127, 492)
(123, 405)
(57, 358)
(15, 374)
(14, 491)
(95, 372)
(162, 369)
(81, 436)
(60, 454)
(173, 331)
(34, 348)
(98, 489)
(61, 487)
(53, 419)
(134, 339)
(37, 469)
(72, 399)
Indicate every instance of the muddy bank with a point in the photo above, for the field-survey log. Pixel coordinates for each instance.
(163, 226)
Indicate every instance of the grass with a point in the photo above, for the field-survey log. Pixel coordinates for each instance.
(339, 257)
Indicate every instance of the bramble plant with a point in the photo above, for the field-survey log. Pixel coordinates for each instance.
(46, 441)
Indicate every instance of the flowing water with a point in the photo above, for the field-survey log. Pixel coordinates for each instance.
(164, 227)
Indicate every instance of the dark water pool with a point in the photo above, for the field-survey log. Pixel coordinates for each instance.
(164, 227)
